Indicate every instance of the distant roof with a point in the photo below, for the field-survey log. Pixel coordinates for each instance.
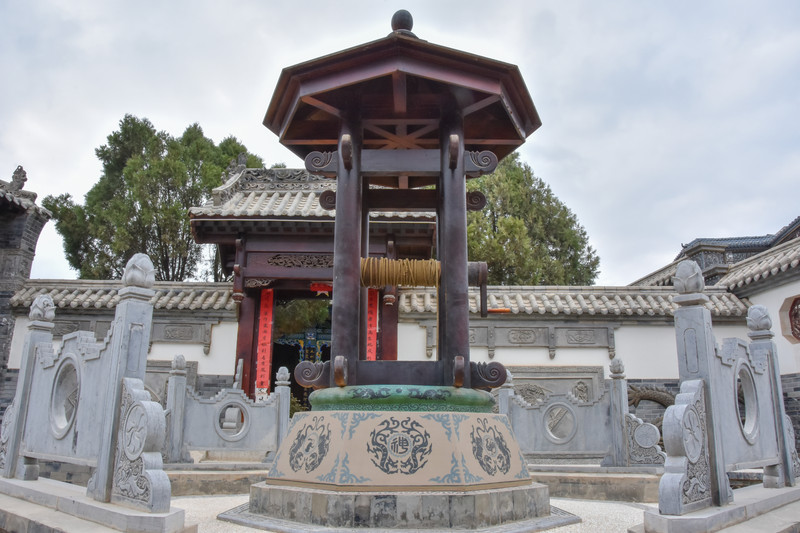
(782, 259)
(586, 302)
(280, 193)
(766, 256)
(760, 242)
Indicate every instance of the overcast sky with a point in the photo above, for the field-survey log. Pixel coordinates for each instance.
(662, 121)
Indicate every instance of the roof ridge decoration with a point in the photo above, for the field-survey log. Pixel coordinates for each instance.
(247, 180)
(12, 192)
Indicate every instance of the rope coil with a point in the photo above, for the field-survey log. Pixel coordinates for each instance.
(378, 272)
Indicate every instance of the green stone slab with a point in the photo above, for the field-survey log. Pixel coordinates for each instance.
(401, 398)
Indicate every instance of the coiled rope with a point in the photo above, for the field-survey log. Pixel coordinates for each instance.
(378, 272)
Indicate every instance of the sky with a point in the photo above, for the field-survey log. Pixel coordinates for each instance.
(663, 121)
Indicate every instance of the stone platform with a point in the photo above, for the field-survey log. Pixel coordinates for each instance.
(39, 506)
(754, 504)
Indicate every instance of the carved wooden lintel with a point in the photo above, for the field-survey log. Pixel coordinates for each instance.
(314, 375)
(340, 371)
(324, 163)
(479, 163)
(487, 375)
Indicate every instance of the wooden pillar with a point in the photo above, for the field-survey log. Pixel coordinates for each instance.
(245, 342)
(346, 319)
(389, 314)
(454, 287)
(364, 327)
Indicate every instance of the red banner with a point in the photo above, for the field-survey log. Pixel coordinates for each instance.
(372, 324)
(264, 347)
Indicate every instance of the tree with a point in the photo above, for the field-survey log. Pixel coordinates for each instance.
(525, 233)
(140, 202)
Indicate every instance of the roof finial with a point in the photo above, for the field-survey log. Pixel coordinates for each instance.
(402, 22)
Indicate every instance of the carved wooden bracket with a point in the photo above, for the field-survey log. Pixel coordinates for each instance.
(327, 200)
(480, 163)
(487, 375)
(324, 163)
(314, 375)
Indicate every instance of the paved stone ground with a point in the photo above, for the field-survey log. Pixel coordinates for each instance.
(598, 517)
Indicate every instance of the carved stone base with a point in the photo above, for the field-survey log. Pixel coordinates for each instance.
(399, 450)
(398, 510)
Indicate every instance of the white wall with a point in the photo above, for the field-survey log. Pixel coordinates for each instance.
(220, 359)
(647, 351)
(774, 300)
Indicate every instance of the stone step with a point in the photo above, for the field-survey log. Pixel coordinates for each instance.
(784, 519)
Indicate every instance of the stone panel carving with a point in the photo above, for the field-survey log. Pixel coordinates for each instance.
(139, 479)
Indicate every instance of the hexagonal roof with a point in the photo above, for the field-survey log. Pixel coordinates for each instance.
(399, 85)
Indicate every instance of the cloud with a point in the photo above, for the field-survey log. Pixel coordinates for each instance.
(662, 121)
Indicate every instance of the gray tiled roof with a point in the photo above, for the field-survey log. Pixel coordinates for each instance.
(783, 258)
(279, 193)
(24, 203)
(92, 294)
(619, 302)
(578, 301)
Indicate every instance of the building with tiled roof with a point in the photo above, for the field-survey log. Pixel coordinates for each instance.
(761, 270)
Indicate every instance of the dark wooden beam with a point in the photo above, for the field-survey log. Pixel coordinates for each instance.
(402, 162)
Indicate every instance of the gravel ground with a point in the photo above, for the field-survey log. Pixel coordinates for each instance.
(598, 517)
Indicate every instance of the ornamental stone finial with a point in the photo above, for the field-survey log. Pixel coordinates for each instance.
(616, 368)
(758, 318)
(139, 272)
(282, 378)
(688, 278)
(43, 308)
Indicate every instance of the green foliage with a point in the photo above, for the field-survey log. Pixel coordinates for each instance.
(297, 315)
(525, 234)
(295, 406)
(140, 202)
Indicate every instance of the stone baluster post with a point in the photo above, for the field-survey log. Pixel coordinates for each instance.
(618, 455)
(284, 393)
(176, 406)
(128, 352)
(38, 343)
(504, 394)
(760, 324)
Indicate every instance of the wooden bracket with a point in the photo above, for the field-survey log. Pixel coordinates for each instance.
(315, 375)
(347, 151)
(340, 371)
(480, 163)
(324, 163)
(487, 375)
(327, 200)
(453, 151)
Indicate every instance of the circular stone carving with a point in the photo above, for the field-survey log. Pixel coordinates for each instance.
(748, 411)
(135, 431)
(232, 421)
(560, 423)
(646, 435)
(64, 397)
(692, 435)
